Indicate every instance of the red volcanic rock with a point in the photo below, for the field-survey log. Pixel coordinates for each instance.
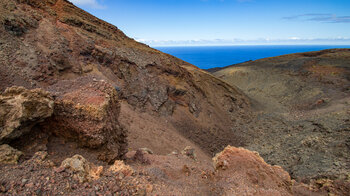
(243, 172)
(87, 111)
(21, 109)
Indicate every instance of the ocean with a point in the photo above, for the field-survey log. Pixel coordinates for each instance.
(206, 57)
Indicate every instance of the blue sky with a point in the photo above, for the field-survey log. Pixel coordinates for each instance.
(227, 22)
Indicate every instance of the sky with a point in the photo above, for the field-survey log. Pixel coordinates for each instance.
(227, 22)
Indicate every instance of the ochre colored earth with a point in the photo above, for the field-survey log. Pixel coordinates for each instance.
(93, 112)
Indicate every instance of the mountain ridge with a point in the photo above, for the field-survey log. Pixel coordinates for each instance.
(309, 94)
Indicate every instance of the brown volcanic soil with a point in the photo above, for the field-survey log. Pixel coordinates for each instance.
(237, 171)
(110, 91)
(303, 110)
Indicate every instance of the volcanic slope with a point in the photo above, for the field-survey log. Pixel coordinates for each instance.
(303, 110)
(166, 103)
(99, 113)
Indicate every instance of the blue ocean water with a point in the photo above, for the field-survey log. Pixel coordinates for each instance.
(206, 57)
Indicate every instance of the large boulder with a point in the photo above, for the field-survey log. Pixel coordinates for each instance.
(21, 109)
(87, 111)
(243, 172)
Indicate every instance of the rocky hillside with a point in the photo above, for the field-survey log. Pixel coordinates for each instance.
(303, 110)
(77, 94)
(55, 46)
(293, 82)
(85, 110)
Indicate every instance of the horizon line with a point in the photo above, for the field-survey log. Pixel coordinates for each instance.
(202, 45)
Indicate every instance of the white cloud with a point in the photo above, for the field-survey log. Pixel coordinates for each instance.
(320, 17)
(294, 38)
(91, 3)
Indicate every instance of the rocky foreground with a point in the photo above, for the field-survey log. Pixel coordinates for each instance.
(85, 110)
(236, 172)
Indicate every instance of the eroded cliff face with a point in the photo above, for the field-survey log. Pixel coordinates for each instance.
(83, 113)
(21, 109)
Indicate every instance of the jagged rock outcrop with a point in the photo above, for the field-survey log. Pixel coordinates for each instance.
(21, 109)
(241, 171)
(87, 111)
(84, 111)
(83, 170)
(9, 155)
